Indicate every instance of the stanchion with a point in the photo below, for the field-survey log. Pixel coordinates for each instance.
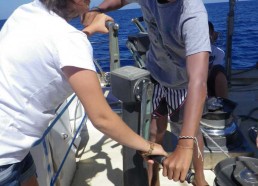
(134, 170)
(128, 85)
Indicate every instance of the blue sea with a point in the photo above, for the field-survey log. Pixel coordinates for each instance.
(245, 38)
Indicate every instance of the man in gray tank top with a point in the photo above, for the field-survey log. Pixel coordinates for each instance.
(177, 59)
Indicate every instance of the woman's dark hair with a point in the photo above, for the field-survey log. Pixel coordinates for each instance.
(211, 27)
(60, 7)
(213, 34)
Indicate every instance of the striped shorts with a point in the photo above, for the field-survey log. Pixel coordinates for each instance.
(167, 101)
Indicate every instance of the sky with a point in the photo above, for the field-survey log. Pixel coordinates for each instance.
(7, 6)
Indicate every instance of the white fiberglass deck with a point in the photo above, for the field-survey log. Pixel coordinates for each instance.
(101, 163)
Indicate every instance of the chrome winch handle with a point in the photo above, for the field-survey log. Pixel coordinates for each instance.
(160, 159)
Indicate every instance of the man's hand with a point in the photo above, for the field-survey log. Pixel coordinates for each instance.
(97, 24)
(176, 166)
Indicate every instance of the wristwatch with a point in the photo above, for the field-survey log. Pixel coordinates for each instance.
(96, 9)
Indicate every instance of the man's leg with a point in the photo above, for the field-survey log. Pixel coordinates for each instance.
(199, 179)
(221, 85)
(158, 128)
(217, 82)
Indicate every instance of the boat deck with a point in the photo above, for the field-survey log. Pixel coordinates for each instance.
(100, 161)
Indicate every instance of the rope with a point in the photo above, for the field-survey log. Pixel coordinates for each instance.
(54, 178)
(217, 145)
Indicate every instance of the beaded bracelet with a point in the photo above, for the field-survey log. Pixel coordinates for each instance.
(195, 141)
(149, 152)
(187, 137)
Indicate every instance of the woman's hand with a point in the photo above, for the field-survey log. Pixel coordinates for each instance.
(98, 24)
(154, 150)
(158, 150)
(87, 18)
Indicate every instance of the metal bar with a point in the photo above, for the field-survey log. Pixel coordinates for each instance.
(134, 170)
(127, 85)
(137, 22)
(230, 30)
(137, 58)
(113, 45)
(146, 106)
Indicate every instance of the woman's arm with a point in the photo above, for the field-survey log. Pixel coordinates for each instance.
(86, 86)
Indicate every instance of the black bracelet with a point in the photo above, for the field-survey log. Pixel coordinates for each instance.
(96, 9)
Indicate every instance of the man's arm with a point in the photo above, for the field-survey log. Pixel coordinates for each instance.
(109, 5)
(105, 6)
(177, 165)
(197, 70)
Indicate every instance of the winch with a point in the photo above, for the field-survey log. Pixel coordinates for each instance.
(220, 124)
(242, 171)
(221, 133)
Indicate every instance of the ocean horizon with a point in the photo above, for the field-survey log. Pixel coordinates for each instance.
(244, 44)
(245, 38)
